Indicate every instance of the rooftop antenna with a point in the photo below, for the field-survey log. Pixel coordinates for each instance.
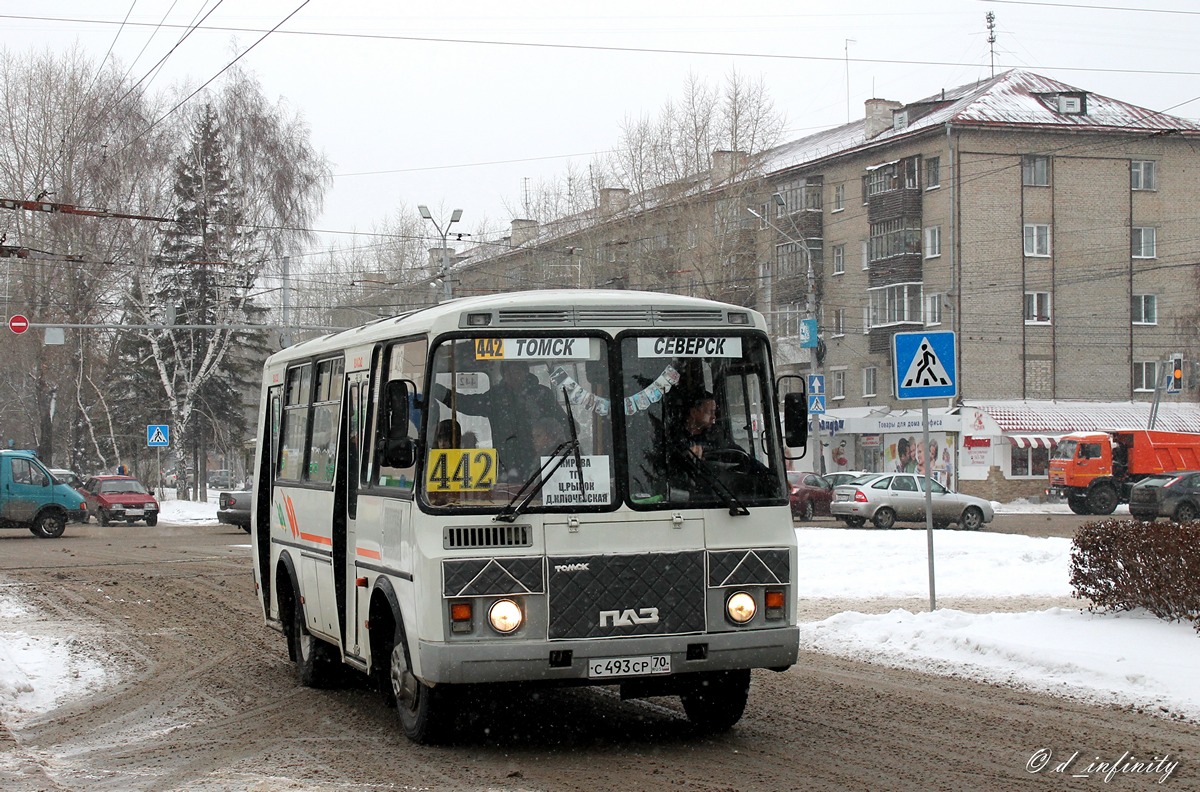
(991, 26)
(525, 196)
(848, 43)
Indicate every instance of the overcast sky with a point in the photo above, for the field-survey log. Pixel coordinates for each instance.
(456, 105)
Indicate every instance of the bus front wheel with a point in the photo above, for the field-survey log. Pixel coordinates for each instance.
(717, 700)
(423, 711)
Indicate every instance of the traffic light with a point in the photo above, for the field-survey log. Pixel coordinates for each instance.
(1176, 383)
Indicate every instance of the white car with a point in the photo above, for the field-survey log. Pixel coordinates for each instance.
(888, 498)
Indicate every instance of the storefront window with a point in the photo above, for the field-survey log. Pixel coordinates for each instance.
(1029, 461)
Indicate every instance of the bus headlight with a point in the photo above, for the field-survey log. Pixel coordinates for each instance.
(740, 607)
(505, 616)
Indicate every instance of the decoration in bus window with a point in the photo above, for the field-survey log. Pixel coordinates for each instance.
(653, 393)
(533, 348)
(562, 488)
(577, 394)
(461, 470)
(690, 346)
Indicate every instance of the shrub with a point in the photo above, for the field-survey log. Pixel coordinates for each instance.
(1119, 565)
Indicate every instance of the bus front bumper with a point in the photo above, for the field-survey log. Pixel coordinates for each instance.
(567, 661)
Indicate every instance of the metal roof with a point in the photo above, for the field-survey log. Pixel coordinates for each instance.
(1060, 417)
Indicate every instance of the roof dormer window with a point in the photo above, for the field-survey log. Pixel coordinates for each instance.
(900, 120)
(1071, 104)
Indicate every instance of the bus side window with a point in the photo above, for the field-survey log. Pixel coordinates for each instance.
(404, 361)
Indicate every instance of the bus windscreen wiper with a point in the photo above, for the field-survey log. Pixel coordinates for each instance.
(533, 485)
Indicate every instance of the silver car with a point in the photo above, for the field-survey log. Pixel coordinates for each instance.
(888, 498)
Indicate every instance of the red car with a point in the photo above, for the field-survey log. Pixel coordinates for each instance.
(117, 498)
(810, 494)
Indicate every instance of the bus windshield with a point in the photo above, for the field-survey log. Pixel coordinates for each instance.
(498, 423)
(700, 427)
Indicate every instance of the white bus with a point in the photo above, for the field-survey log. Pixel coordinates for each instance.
(559, 487)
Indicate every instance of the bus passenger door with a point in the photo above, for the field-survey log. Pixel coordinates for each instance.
(347, 492)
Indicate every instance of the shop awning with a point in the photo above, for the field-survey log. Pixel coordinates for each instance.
(1033, 441)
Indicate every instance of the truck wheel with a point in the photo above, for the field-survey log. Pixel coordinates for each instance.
(716, 701)
(49, 525)
(1185, 512)
(424, 712)
(1102, 499)
(1078, 505)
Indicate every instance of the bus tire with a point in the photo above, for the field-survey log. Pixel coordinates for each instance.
(716, 701)
(316, 661)
(424, 712)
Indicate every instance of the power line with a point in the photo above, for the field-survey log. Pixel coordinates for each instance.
(602, 48)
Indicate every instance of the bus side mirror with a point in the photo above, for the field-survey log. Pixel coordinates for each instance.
(795, 412)
(399, 450)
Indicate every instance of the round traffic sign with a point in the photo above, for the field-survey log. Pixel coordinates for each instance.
(18, 324)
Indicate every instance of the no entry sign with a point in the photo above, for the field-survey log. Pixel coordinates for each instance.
(18, 324)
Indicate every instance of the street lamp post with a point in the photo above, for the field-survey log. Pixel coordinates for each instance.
(447, 289)
(809, 306)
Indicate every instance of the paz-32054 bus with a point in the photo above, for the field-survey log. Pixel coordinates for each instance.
(559, 487)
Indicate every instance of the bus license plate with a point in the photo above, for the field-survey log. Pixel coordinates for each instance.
(629, 666)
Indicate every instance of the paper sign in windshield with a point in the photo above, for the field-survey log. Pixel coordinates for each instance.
(690, 346)
(562, 488)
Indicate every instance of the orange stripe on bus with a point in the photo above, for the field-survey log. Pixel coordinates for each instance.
(362, 551)
(325, 540)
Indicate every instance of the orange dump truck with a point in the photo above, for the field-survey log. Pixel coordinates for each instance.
(1094, 470)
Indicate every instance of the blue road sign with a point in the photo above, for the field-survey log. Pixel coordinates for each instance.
(158, 436)
(816, 384)
(816, 404)
(925, 365)
(808, 334)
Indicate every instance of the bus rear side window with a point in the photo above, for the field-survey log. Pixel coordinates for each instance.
(295, 423)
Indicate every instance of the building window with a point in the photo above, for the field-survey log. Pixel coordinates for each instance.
(837, 387)
(866, 254)
(933, 242)
(1037, 307)
(933, 172)
(839, 322)
(1145, 373)
(787, 260)
(866, 325)
(1142, 174)
(1037, 239)
(933, 309)
(1143, 241)
(910, 173)
(895, 238)
(787, 321)
(882, 179)
(1029, 462)
(896, 304)
(839, 197)
(869, 374)
(1035, 170)
(1144, 309)
(839, 259)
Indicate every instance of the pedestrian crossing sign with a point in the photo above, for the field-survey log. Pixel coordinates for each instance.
(158, 435)
(816, 404)
(925, 365)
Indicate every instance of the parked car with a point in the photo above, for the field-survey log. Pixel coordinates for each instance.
(888, 498)
(116, 498)
(809, 493)
(233, 508)
(844, 477)
(220, 479)
(1174, 495)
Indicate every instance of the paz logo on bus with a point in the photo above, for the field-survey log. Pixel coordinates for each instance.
(18, 324)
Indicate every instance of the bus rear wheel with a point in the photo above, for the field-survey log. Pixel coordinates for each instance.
(717, 700)
(317, 663)
(424, 712)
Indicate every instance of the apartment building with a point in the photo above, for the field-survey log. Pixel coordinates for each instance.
(1054, 230)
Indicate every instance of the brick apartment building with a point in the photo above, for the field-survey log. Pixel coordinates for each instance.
(1056, 231)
